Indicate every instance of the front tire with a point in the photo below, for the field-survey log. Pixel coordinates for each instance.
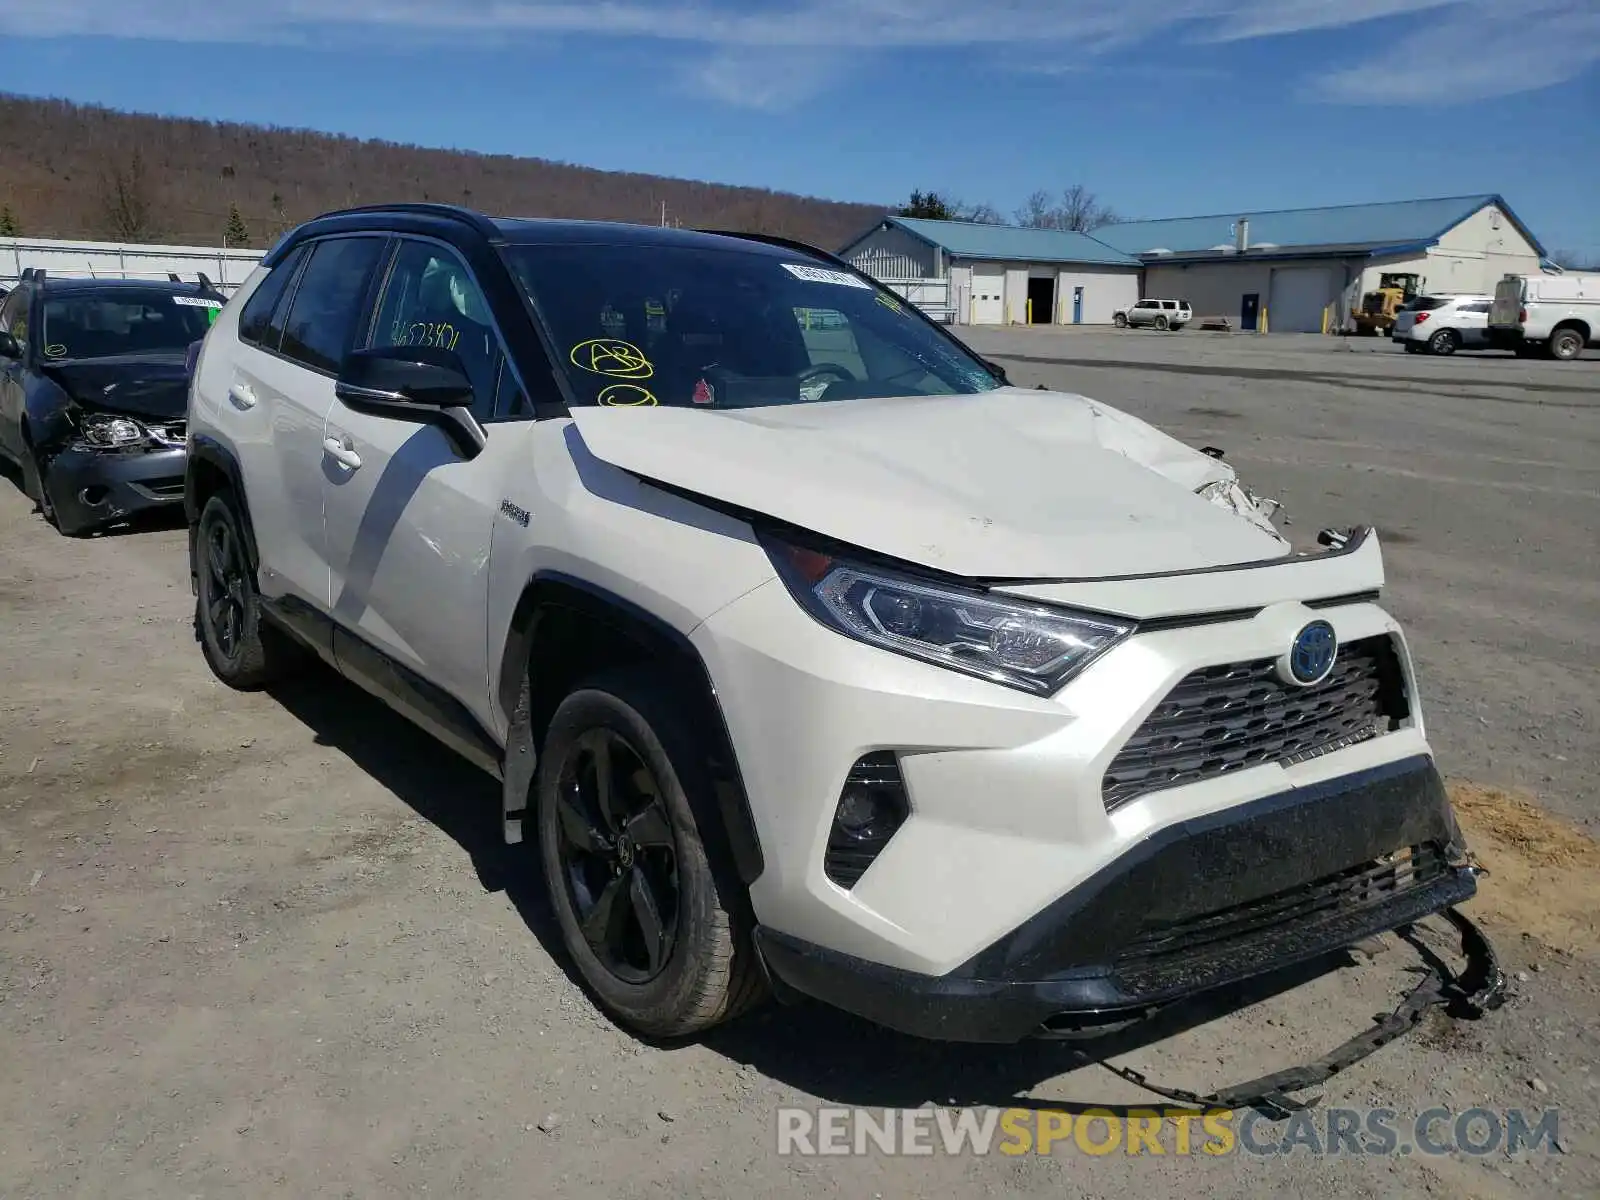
(241, 650)
(33, 473)
(1444, 342)
(1120, 321)
(650, 915)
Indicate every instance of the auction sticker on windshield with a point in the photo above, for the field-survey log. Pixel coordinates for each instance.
(196, 302)
(822, 275)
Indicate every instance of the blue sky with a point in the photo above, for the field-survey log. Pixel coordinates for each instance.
(1162, 107)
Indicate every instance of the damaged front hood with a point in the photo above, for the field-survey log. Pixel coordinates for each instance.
(135, 385)
(1009, 484)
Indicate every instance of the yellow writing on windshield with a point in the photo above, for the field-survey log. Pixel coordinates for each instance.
(613, 357)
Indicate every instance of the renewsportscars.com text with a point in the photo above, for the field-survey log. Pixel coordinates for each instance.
(1171, 1131)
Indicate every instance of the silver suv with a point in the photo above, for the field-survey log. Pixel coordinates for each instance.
(1158, 314)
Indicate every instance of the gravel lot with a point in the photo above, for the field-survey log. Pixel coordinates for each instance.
(270, 944)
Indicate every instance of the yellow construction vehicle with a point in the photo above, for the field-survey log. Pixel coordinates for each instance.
(1375, 317)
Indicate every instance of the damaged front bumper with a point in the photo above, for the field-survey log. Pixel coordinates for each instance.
(91, 487)
(1198, 906)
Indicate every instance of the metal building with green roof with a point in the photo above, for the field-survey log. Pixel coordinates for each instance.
(1299, 270)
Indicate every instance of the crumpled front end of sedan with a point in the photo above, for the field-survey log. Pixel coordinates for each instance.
(116, 443)
(996, 803)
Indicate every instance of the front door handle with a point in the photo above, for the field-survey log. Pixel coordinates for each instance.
(344, 455)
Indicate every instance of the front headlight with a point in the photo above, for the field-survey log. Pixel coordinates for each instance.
(1025, 646)
(103, 432)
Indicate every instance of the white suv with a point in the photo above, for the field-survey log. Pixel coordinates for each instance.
(1158, 314)
(1443, 324)
(810, 653)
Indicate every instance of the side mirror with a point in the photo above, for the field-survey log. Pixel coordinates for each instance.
(8, 347)
(424, 384)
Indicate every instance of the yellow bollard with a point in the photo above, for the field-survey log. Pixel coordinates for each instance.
(1030, 310)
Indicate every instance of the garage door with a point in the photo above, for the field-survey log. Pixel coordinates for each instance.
(988, 296)
(1298, 298)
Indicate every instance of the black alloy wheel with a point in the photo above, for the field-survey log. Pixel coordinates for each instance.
(222, 587)
(618, 855)
(241, 650)
(652, 913)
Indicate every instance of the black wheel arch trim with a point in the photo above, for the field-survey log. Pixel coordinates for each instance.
(652, 634)
(207, 451)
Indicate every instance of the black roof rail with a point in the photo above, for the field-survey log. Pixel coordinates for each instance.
(205, 284)
(786, 243)
(173, 276)
(454, 212)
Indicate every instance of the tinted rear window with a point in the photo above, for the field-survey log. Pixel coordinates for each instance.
(1428, 303)
(327, 304)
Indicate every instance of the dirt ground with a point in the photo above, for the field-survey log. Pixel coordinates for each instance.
(262, 945)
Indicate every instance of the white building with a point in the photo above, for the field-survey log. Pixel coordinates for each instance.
(1305, 269)
(1308, 268)
(972, 274)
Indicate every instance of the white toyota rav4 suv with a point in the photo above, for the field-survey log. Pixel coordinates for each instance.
(813, 656)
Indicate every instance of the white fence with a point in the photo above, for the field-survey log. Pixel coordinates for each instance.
(227, 268)
(932, 296)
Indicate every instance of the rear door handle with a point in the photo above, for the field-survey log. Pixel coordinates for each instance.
(242, 396)
(344, 455)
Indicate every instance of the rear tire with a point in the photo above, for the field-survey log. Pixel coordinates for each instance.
(1565, 345)
(240, 648)
(1444, 342)
(651, 915)
(1162, 323)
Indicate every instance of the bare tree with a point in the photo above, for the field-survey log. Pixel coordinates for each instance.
(1038, 211)
(126, 199)
(1081, 210)
(983, 214)
(1078, 210)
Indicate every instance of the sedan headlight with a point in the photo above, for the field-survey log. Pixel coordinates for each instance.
(1025, 646)
(103, 432)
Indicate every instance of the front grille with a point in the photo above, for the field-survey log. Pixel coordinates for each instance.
(1229, 718)
(1219, 934)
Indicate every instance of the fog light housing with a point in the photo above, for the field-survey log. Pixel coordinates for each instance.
(872, 807)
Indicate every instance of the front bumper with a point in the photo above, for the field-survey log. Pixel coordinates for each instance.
(90, 488)
(1198, 905)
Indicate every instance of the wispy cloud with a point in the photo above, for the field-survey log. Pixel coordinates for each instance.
(775, 53)
(1478, 52)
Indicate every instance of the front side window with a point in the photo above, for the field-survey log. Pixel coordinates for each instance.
(432, 300)
(730, 328)
(124, 321)
(327, 305)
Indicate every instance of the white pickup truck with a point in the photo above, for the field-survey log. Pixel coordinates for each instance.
(1559, 314)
